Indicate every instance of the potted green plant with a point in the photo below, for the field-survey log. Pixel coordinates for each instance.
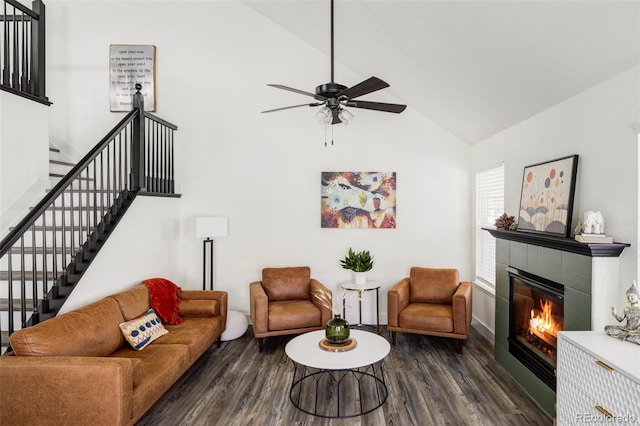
(358, 262)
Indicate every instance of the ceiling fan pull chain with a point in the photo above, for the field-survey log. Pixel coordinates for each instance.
(331, 135)
(325, 136)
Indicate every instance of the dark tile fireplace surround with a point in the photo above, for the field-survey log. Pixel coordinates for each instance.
(574, 274)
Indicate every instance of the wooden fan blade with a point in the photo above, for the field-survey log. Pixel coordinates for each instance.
(302, 92)
(369, 85)
(293, 106)
(377, 106)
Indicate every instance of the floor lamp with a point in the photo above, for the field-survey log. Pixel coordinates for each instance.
(209, 227)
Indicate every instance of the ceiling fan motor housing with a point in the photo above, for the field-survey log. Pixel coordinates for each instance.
(330, 90)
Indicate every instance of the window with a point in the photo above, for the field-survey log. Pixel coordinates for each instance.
(489, 205)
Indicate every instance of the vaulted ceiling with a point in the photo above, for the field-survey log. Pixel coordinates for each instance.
(474, 67)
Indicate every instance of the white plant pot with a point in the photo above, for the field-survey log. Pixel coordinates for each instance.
(360, 278)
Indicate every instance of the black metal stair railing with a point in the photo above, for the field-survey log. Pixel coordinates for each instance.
(44, 256)
(22, 49)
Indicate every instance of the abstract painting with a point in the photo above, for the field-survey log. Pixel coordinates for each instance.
(546, 204)
(358, 200)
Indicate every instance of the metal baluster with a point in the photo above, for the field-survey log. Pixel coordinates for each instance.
(72, 222)
(23, 79)
(102, 202)
(171, 168)
(165, 161)
(10, 289)
(115, 175)
(120, 163)
(108, 179)
(95, 195)
(34, 271)
(63, 219)
(14, 74)
(45, 283)
(23, 286)
(156, 142)
(147, 154)
(5, 45)
(127, 153)
(88, 202)
(80, 224)
(54, 248)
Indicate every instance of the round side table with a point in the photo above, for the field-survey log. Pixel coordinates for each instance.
(367, 286)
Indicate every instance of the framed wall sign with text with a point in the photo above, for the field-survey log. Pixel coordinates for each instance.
(130, 64)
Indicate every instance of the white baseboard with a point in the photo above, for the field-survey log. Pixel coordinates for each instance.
(484, 330)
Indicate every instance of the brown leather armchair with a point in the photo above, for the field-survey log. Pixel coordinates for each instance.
(288, 301)
(430, 301)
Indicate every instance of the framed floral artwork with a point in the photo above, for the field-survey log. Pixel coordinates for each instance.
(546, 203)
(358, 200)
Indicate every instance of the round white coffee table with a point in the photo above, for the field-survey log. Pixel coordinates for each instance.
(338, 384)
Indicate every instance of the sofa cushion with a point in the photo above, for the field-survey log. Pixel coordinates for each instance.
(427, 316)
(197, 332)
(199, 307)
(88, 331)
(141, 331)
(286, 315)
(433, 285)
(133, 302)
(162, 367)
(293, 283)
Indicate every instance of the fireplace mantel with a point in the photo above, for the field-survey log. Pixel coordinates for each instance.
(560, 243)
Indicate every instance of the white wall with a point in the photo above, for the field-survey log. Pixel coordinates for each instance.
(141, 246)
(260, 170)
(600, 126)
(24, 161)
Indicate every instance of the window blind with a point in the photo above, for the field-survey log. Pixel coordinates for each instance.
(489, 205)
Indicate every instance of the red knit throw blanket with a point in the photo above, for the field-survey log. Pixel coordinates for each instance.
(164, 299)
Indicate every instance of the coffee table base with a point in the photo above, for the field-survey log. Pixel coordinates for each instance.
(338, 393)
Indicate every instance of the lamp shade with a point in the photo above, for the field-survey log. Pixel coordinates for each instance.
(211, 227)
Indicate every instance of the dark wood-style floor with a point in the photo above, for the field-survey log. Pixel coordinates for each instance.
(429, 384)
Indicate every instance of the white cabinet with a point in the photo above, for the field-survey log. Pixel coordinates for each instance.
(598, 379)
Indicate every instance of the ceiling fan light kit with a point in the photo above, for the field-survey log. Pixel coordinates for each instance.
(335, 97)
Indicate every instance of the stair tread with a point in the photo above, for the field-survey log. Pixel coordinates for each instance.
(4, 304)
(90, 190)
(60, 162)
(50, 228)
(28, 275)
(60, 175)
(39, 250)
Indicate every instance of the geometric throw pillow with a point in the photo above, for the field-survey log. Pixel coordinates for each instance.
(139, 332)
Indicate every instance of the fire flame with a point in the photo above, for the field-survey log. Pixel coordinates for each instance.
(543, 320)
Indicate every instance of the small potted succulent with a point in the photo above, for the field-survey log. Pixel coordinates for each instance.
(358, 262)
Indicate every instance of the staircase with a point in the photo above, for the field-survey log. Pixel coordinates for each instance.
(28, 294)
(44, 256)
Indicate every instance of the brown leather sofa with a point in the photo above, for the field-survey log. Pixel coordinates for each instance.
(288, 301)
(77, 369)
(430, 301)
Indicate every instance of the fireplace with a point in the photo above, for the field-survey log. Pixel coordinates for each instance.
(536, 315)
(580, 272)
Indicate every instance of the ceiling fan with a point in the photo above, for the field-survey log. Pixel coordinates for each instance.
(334, 97)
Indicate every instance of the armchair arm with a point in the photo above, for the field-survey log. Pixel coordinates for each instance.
(82, 390)
(319, 293)
(397, 300)
(259, 304)
(462, 302)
